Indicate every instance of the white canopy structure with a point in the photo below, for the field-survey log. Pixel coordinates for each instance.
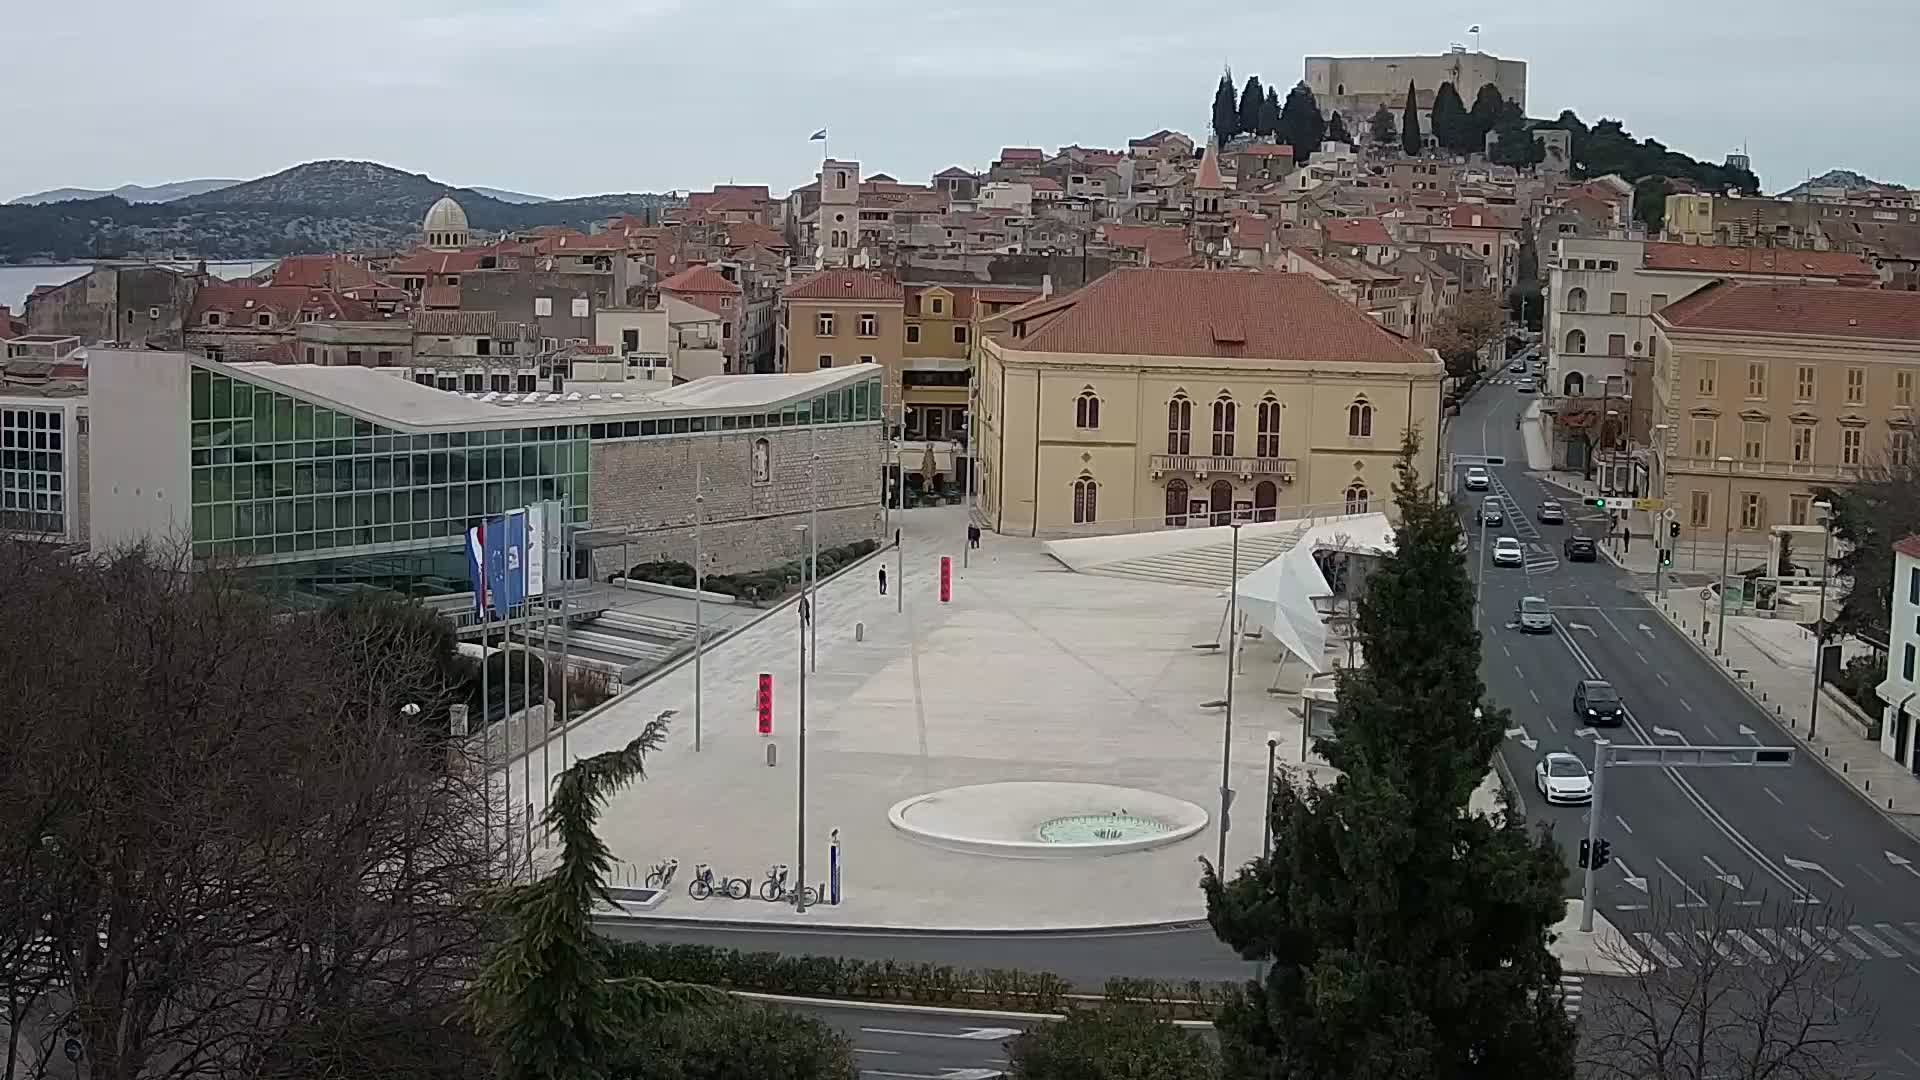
(1281, 598)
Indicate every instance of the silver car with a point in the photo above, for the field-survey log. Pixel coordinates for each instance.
(1508, 552)
(1534, 616)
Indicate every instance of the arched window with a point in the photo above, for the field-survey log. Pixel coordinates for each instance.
(1357, 497)
(1576, 299)
(1179, 425)
(1360, 419)
(1223, 417)
(1575, 385)
(1176, 502)
(1220, 502)
(1266, 442)
(1576, 341)
(1266, 501)
(1085, 499)
(1086, 410)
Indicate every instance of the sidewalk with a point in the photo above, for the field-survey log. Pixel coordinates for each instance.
(1780, 678)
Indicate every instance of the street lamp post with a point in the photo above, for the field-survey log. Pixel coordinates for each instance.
(1825, 510)
(807, 616)
(699, 615)
(1726, 551)
(1233, 657)
(1266, 821)
(813, 560)
(1480, 577)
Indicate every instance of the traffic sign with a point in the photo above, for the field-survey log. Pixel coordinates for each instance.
(1672, 514)
(1649, 504)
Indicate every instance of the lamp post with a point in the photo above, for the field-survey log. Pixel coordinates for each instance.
(1825, 511)
(813, 560)
(1480, 577)
(1657, 489)
(699, 615)
(1266, 822)
(1233, 658)
(800, 807)
(1607, 429)
(1726, 550)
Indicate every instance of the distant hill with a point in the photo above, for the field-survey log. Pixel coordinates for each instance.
(511, 196)
(319, 206)
(132, 193)
(1845, 179)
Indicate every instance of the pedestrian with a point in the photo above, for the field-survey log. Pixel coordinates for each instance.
(883, 581)
(896, 538)
(1626, 538)
(806, 612)
(973, 536)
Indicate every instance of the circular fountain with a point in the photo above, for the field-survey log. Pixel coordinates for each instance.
(1044, 819)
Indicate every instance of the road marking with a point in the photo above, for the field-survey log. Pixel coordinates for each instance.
(1583, 626)
(1802, 864)
(1683, 704)
(1730, 879)
(1666, 733)
(1871, 876)
(1517, 670)
(1662, 678)
(881, 1053)
(1719, 944)
(1815, 945)
(1525, 740)
(1636, 882)
(1887, 931)
(1780, 943)
(1534, 696)
(971, 1034)
(1506, 650)
(1902, 862)
(1583, 733)
(1752, 946)
(1642, 656)
(1911, 1060)
(1622, 822)
(1878, 946)
(1647, 630)
(1698, 900)
(1630, 907)
(1836, 937)
(1650, 944)
(1749, 733)
(1772, 796)
(1818, 833)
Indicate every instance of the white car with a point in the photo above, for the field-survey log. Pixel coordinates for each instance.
(1508, 552)
(1477, 479)
(1563, 780)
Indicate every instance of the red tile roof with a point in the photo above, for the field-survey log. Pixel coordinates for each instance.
(701, 280)
(320, 272)
(239, 304)
(1365, 230)
(1250, 231)
(1910, 547)
(423, 261)
(1044, 183)
(847, 285)
(1267, 150)
(1021, 153)
(953, 172)
(744, 233)
(1820, 311)
(1162, 243)
(1751, 260)
(1221, 313)
(1473, 216)
(440, 296)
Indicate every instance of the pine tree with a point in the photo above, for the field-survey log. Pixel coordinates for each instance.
(1487, 106)
(1270, 113)
(1451, 129)
(1226, 114)
(1404, 935)
(1251, 99)
(1383, 130)
(1301, 125)
(1337, 130)
(1410, 140)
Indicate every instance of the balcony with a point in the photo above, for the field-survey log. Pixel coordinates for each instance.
(1201, 467)
(1773, 470)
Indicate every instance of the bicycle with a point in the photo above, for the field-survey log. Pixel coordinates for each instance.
(704, 884)
(774, 889)
(661, 875)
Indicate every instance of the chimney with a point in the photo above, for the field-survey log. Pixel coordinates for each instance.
(1046, 286)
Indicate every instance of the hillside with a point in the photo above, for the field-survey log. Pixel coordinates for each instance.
(319, 206)
(1845, 179)
(133, 193)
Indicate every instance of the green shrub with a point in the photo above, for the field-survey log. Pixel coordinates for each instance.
(738, 1040)
(1112, 1043)
(1860, 678)
(763, 586)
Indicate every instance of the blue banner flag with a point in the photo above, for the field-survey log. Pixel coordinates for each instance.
(818, 136)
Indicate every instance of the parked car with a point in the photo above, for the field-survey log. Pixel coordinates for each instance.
(1528, 385)
(1552, 513)
(1563, 779)
(1508, 552)
(1490, 512)
(1534, 616)
(1580, 548)
(1597, 704)
(1477, 479)
(1518, 367)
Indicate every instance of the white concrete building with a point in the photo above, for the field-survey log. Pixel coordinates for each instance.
(1900, 733)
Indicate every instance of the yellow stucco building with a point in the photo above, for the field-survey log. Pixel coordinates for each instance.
(1159, 399)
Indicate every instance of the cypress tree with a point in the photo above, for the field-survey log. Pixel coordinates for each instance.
(1410, 123)
(1301, 125)
(1485, 114)
(1251, 99)
(1337, 130)
(1270, 113)
(1382, 128)
(1451, 129)
(1226, 114)
(1404, 934)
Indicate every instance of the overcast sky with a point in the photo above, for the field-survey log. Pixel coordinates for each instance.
(572, 97)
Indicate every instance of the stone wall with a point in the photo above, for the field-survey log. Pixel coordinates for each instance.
(647, 485)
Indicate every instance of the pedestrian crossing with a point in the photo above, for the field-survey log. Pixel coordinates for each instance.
(1765, 945)
(1571, 989)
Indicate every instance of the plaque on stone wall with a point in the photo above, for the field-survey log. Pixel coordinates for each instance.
(762, 462)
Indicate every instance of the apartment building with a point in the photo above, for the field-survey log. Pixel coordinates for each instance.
(837, 318)
(1899, 734)
(943, 323)
(1768, 391)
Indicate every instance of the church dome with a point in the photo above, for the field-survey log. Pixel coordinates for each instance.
(446, 216)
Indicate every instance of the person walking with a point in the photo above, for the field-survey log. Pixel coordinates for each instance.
(883, 581)
(973, 536)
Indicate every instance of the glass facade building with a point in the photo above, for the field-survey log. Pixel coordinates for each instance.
(33, 470)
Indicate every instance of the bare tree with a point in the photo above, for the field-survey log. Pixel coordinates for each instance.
(238, 855)
(1727, 985)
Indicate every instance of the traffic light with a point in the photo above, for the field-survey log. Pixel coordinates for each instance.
(1666, 556)
(1673, 529)
(1601, 856)
(1583, 854)
(1594, 501)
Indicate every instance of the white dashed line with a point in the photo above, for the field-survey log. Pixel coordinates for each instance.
(1684, 705)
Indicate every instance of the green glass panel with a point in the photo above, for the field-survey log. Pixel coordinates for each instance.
(242, 399)
(202, 395)
(223, 522)
(323, 513)
(282, 418)
(242, 481)
(303, 515)
(243, 521)
(222, 397)
(262, 416)
(202, 457)
(202, 486)
(283, 478)
(202, 433)
(202, 523)
(302, 420)
(580, 457)
(698, 423)
(457, 504)
(437, 511)
(302, 479)
(303, 542)
(422, 508)
(382, 508)
(283, 542)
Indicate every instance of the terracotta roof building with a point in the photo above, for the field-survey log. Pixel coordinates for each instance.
(1166, 398)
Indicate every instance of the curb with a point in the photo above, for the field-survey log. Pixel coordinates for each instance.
(923, 1010)
(1157, 926)
(1897, 819)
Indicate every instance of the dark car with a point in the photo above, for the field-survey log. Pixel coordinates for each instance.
(1597, 704)
(1490, 512)
(1580, 548)
(1552, 513)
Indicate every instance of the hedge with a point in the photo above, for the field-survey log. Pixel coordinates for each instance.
(847, 979)
(757, 585)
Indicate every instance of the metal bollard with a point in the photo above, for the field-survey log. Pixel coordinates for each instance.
(773, 754)
(859, 631)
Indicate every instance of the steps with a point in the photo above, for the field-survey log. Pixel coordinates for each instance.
(1210, 566)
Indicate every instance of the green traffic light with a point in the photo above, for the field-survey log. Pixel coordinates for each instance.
(1602, 503)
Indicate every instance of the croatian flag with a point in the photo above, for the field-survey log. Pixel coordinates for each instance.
(818, 136)
(477, 566)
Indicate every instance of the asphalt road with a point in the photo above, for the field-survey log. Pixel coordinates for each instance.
(1681, 839)
(892, 1045)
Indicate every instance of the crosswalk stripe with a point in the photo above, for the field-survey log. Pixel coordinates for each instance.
(1840, 939)
(1719, 943)
(1815, 945)
(1651, 944)
(1887, 931)
(1879, 946)
(1912, 928)
(1780, 943)
(1751, 946)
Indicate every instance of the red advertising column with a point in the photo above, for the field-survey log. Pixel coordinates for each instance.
(946, 578)
(763, 703)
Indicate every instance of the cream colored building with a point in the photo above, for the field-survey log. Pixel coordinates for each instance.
(1770, 391)
(839, 318)
(1159, 398)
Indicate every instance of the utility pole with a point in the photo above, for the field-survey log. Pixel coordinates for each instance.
(1825, 510)
(699, 583)
(1233, 658)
